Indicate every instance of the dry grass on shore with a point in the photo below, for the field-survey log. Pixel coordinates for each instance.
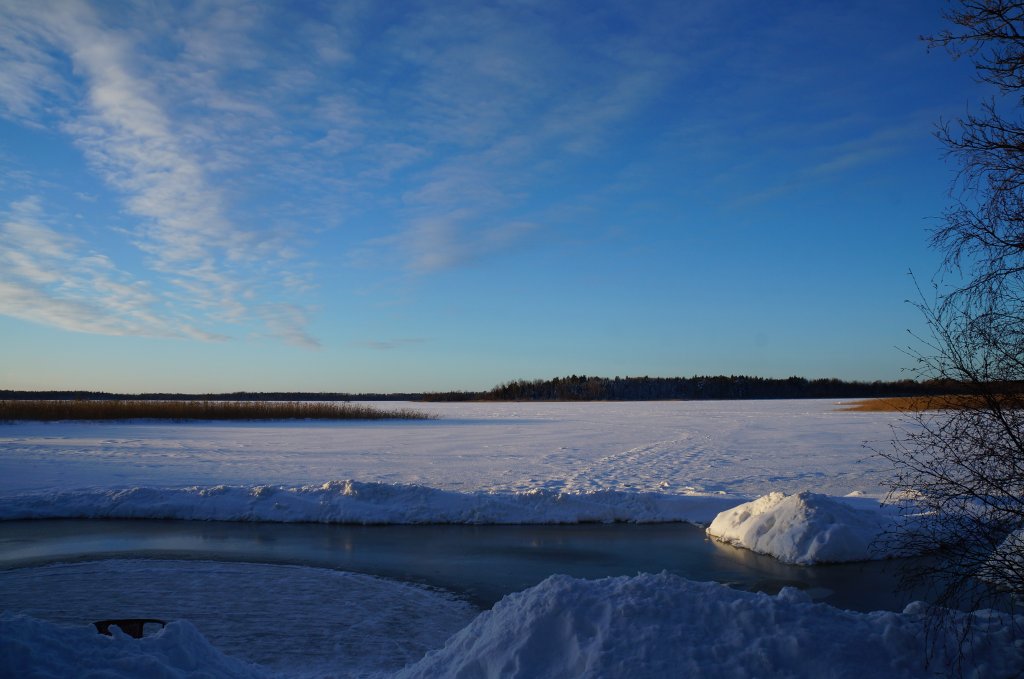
(913, 404)
(49, 411)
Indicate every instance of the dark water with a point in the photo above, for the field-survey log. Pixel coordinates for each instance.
(482, 563)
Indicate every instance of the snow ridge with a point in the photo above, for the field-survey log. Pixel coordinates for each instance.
(356, 502)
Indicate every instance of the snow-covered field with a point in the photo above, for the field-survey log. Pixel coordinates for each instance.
(487, 463)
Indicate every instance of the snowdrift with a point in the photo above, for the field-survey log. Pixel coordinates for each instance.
(663, 625)
(637, 627)
(804, 528)
(363, 503)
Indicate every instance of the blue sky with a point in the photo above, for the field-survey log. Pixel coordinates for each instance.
(391, 196)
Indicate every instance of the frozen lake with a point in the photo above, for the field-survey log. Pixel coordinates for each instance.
(738, 448)
(478, 463)
(478, 506)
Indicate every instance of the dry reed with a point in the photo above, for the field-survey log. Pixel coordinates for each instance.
(915, 404)
(48, 411)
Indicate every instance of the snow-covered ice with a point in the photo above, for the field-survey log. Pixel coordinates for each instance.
(498, 463)
(309, 621)
(741, 449)
(481, 462)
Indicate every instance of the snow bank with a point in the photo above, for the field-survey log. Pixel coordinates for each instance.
(36, 648)
(364, 503)
(663, 625)
(804, 528)
(643, 626)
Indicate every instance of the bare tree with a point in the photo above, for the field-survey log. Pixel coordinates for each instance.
(963, 466)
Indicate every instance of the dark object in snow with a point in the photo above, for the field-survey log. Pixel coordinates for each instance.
(133, 627)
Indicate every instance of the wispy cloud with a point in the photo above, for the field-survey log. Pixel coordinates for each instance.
(498, 101)
(829, 160)
(445, 241)
(392, 344)
(114, 109)
(30, 81)
(288, 322)
(250, 143)
(450, 118)
(51, 278)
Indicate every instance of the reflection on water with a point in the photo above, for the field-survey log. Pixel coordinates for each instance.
(481, 562)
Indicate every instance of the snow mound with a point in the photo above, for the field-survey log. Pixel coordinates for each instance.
(36, 648)
(663, 625)
(804, 528)
(358, 502)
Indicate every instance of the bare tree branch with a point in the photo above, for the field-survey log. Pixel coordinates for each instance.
(963, 469)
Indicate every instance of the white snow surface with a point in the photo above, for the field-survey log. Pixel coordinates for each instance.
(740, 448)
(481, 462)
(660, 625)
(637, 627)
(35, 648)
(806, 528)
(309, 622)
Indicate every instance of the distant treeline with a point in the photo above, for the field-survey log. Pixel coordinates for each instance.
(720, 387)
(574, 388)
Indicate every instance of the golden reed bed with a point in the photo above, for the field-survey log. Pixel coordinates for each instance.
(40, 410)
(905, 404)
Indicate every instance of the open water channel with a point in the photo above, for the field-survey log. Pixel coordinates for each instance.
(482, 563)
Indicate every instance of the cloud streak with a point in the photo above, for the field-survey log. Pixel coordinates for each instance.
(500, 101)
(123, 125)
(53, 279)
(444, 241)
(392, 344)
(259, 151)
(459, 112)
